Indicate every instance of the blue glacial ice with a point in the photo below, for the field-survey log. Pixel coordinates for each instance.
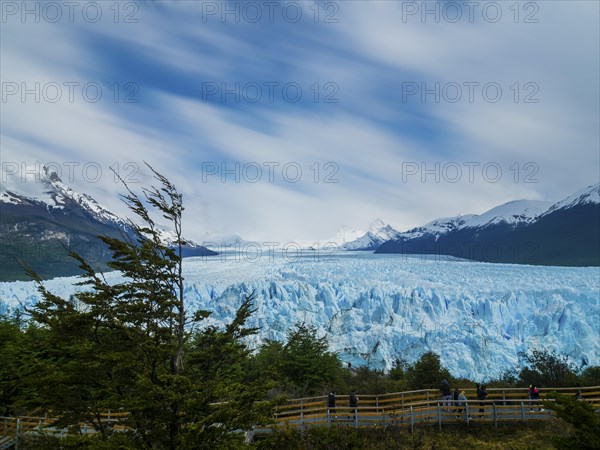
(374, 308)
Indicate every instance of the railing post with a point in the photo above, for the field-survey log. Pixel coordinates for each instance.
(383, 415)
(18, 434)
(494, 413)
(503, 397)
(377, 403)
(412, 419)
(439, 417)
(328, 418)
(522, 412)
(467, 412)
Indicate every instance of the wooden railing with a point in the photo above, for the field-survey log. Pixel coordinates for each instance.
(396, 409)
(11, 428)
(409, 408)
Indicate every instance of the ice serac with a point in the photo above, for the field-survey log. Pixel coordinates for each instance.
(374, 308)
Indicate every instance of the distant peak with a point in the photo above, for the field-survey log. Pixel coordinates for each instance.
(378, 223)
(50, 174)
(590, 194)
(376, 226)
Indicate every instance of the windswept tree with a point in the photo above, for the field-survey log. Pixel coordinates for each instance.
(132, 347)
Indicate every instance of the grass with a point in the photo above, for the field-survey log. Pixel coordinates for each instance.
(506, 436)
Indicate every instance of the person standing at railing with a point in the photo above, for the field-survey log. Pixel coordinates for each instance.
(455, 396)
(353, 401)
(534, 396)
(481, 395)
(446, 393)
(331, 402)
(462, 403)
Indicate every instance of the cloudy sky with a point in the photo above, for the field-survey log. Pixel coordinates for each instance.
(285, 120)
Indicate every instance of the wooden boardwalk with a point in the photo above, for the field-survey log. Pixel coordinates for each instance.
(406, 409)
(413, 408)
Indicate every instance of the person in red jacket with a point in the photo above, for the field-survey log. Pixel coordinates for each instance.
(534, 396)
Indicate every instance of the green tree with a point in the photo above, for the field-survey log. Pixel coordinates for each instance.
(266, 364)
(11, 343)
(398, 370)
(301, 366)
(427, 372)
(590, 376)
(131, 346)
(547, 368)
(582, 417)
(367, 381)
(307, 361)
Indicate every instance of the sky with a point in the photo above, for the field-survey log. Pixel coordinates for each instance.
(286, 120)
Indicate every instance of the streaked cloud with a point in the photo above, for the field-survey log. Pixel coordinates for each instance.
(173, 53)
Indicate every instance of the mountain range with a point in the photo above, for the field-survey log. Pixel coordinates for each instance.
(38, 228)
(565, 233)
(40, 222)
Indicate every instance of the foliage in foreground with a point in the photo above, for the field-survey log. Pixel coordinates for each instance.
(133, 347)
(514, 436)
(583, 419)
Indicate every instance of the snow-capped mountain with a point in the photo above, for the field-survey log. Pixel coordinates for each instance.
(438, 226)
(531, 232)
(46, 190)
(41, 219)
(589, 195)
(377, 234)
(345, 234)
(221, 241)
(512, 213)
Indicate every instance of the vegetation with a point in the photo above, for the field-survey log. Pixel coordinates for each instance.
(583, 419)
(133, 347)
(547, 368)
(301, 366)
(514, 436)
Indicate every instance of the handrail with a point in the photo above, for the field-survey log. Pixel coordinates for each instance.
(395, 408)
(427, 411)
(409, 397)
(437, 391)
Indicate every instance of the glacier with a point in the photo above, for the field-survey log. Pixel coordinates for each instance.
(375, 307)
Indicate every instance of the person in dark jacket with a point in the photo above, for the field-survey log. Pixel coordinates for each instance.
(353, 399)
(446, 393)
(481, 395)
(455, 398)
(331, 402)
(353, 402)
